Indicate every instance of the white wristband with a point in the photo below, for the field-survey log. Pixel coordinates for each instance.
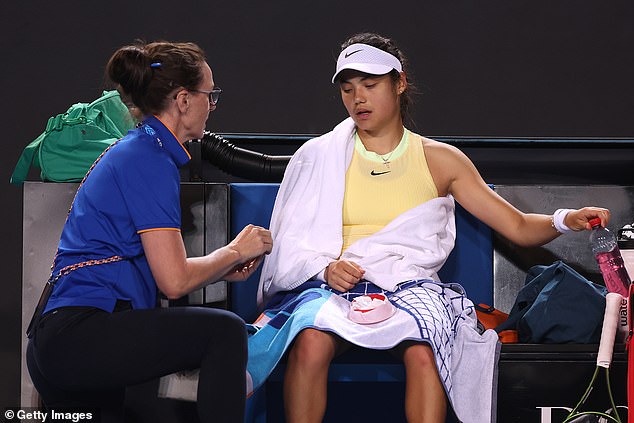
(557, 220)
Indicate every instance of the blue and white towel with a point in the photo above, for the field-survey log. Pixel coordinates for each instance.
(427, 311)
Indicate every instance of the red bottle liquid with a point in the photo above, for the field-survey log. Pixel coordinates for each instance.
(606, 251)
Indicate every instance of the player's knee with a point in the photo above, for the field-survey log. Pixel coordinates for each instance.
(313, 348)
(419, 357)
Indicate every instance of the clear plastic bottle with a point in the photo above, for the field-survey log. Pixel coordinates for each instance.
(606, 251)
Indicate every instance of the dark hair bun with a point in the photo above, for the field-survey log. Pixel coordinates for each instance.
(129, 67)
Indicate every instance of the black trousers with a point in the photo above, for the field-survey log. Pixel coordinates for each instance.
(83, 357)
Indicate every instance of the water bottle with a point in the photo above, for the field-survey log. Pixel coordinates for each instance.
(606, 251)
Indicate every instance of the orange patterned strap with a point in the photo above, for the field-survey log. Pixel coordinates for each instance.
(66, 270)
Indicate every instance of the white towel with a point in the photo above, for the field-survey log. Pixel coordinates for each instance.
(415, 245)
(307, 225)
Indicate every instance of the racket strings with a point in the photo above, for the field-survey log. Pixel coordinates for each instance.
(576, 416)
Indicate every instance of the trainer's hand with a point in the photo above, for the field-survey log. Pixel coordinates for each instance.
(578, 220)
(252, 241)
(242, 271)
(342, 275)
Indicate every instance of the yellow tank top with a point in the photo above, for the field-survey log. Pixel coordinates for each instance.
(380, 188)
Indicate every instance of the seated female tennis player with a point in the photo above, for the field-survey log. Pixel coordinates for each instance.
(369, 208)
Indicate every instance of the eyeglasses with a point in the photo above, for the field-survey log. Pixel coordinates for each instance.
(214, 95)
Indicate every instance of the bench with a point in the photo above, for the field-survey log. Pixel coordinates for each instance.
(536, 382)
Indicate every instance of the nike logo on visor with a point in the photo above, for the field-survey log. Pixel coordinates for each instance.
(373, 173)
(351, 53)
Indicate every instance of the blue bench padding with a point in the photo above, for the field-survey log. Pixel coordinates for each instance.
(249, 203)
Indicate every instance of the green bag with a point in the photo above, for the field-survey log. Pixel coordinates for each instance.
(73, 140)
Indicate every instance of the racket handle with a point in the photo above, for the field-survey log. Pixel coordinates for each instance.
(608, 332)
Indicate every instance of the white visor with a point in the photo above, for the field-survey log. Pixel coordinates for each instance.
(368, 59)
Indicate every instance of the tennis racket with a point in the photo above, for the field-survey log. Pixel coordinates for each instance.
(604, 358)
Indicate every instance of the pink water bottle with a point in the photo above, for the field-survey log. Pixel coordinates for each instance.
(606, 250)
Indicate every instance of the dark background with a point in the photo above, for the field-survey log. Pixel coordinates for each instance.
(493, 68)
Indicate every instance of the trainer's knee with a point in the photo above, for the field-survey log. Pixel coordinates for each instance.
(233, 321)
(313, 348)
(232, 326)
(223, 332)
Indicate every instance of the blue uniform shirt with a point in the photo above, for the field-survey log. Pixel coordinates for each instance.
(134, 188)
